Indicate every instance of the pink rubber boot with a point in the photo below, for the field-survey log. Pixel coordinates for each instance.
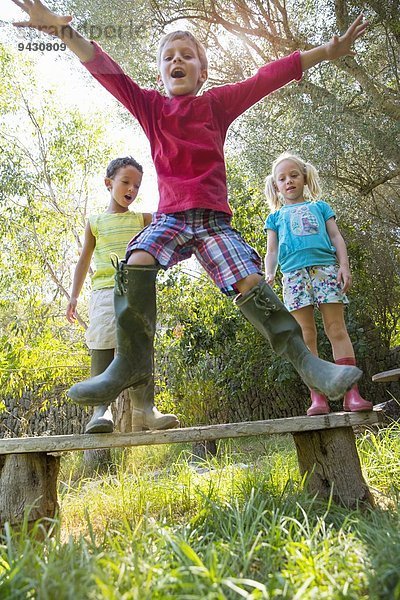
(319, 404)
(352, 401)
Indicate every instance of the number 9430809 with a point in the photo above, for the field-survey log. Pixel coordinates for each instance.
(41, 46)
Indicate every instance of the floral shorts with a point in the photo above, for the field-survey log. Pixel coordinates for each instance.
(312, 286)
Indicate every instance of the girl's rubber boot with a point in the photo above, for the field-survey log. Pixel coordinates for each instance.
(319, 404)
(135, 313)
(144, 414)
(102, 420)
(353, 401)
(262, 307)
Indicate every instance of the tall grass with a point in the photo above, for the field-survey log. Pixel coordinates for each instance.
(238, 526)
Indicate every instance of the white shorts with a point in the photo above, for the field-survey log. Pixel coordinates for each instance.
(101, 333)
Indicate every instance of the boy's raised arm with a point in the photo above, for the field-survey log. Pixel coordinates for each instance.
(336, 47)
(43, 19)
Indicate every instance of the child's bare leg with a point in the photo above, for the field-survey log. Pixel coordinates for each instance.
(305, 318)
(141, 257)
(246, 284)
(336, 330)
(342, 348)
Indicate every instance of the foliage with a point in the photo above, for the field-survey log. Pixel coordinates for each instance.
(121, 26)
(48, 156)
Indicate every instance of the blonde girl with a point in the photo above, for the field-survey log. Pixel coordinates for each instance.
(304, 239)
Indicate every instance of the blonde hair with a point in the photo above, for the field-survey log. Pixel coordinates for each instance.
(183, 35)
(311, 178)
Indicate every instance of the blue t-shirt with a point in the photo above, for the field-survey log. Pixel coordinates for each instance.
(302, 236)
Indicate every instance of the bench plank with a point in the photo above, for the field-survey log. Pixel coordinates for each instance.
(392, 375)
(62, 443)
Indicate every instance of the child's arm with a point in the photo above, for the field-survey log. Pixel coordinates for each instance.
(99, 64)
(336, 48)
(81, 269)
(43, 19)
(344, 274)
(271, 258)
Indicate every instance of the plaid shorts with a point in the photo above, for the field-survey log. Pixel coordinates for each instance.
(312, 286)
(207, 234)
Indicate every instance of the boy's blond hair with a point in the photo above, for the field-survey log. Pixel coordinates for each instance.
(183, 35)
(310, 175)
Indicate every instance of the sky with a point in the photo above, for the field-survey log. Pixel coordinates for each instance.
(76, 87)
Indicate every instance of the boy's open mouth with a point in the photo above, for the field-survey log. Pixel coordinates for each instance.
(177, 74)
(128, 197)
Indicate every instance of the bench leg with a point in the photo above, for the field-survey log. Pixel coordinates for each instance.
(330, 458)
(28, 484)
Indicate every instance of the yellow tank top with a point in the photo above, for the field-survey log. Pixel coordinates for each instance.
(113, 232)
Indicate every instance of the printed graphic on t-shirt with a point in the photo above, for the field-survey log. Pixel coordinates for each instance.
(302, 221)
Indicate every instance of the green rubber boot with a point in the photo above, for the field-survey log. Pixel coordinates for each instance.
(102, 420)
(135, 313)
(144, 414)
(262, 307)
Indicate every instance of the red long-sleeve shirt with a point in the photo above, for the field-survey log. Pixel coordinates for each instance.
(187, 133)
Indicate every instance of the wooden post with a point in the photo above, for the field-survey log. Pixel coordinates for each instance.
(28, 482)
(123, 413)
(330, 459)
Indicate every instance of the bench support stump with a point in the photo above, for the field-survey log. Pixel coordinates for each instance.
(28, 482)
(331, 460)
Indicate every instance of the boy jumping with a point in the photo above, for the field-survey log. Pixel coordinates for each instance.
(187, 134)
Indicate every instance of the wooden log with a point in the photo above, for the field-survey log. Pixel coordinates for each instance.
(28, 482)
(123, 413)
(204, 450)
(61, 443)
(331, 461)
(97, 461)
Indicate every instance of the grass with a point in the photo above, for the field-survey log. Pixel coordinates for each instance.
(158, 526)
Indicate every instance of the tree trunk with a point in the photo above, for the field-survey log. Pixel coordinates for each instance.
(330, 459)
(99, 461)
(122, 411)
(96, 461)
(204, 450)
(28, 482)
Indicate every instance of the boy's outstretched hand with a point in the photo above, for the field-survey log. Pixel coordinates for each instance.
(40, 17)
(338, 47)
(342, 45)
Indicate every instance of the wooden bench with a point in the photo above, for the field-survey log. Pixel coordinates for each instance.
(384, 376)
(325, 446)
